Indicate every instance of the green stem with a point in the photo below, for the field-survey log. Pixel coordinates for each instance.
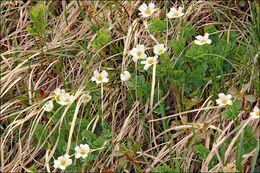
(220, 118)
(102, 106)
(136, 81)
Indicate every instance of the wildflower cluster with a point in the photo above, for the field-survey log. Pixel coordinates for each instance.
(137, 53)
(63, 98)
(63, 161)
(224, 100)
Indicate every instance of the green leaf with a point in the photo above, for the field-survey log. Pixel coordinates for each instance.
(229, 115)
(249, 142)
(176, 75)
(136, 147)
(201, 69)
(33, 169)
(163, 169)
(202, 151)
(96, 44)
(250, 98)
(99, 142)
(103, 36)
(89, 136)
(186, 30)
(156, 25)
(177, 45)
(30, 29)
(210, 29)
(237, 105)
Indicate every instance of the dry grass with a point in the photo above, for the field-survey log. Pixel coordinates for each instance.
(66, 63)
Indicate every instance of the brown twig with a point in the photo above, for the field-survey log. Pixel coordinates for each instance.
(123, 7)
(40, 40)
(90, 13)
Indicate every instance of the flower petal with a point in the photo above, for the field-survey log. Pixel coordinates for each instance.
(256, 109)
(105, 80)
(96, 73)
(221, 95)
(170, 15)
(229, 96)
(198, 42)
(151, 6)
(143, 62)
(140, 47)
(62, 167)
(143, 7)
(135, 59)
(104, 73)
(173, 10)
(206, 36)
(147, 66)
(199, 37)
(180, 9)
(143, 56)
(133, 52)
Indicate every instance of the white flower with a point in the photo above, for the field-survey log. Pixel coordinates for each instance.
(125, 76)
(145, 10)
(62, 162)
(256, 113)
(100, 77)
(174, 13)
(203, 39)
(59, 91)
(86, 98)
(149, 61)
(48, 106)
(138, 52)
(64, 99)
(82, 151)
(224, 99)
(159, 49)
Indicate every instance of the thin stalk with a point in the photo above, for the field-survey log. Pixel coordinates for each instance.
(153, 86)
(220, 118)
(40, 40)
(136, 81)
(102, 106)
(152, 97)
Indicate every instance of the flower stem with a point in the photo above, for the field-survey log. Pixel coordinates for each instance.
(152, 89)
(136, 81)
(102, 106)
(220, 118)
(151, 100)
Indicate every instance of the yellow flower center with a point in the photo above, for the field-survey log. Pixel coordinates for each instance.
(150, 61)
(224, 102)
(99, 78)
(176, 14)
(139, 53)
(67, 100)
(82, 152)
(160, 52)
(257, 113)
(58, 98)
(147, 11)
(203, 41)
(63, 162)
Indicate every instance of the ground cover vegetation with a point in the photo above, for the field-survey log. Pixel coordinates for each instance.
(123, 86)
